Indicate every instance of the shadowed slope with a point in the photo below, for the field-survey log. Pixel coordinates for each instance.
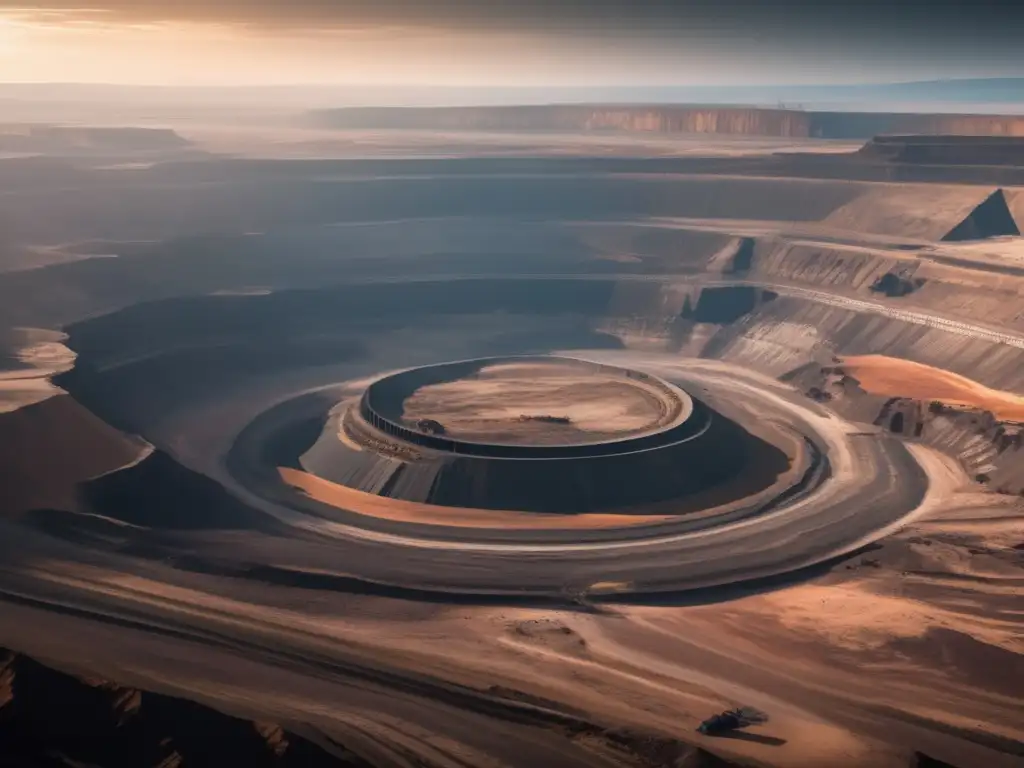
(46, 449)
(990, 219)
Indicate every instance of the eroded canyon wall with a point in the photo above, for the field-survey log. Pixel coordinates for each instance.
(735, 120)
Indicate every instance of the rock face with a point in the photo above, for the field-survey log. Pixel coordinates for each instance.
(990, 449)
(745, 121)
(49, 719)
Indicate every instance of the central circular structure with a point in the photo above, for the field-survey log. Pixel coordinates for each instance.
(520, 407)
(535, 434)
(543, 401)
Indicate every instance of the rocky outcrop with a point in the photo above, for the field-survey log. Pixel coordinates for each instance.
(50, 719)
(990, 450)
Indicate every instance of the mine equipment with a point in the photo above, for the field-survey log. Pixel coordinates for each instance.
(732, 720)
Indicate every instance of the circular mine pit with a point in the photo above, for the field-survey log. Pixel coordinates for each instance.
(535, 434)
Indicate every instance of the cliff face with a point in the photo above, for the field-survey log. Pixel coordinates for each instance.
(752, 121)
(743, 121)
(655, 119)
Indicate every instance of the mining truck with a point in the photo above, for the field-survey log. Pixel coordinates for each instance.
(732, 720)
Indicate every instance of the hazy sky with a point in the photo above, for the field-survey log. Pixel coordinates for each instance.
(506, 42)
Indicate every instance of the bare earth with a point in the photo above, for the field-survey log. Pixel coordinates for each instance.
(842, 663)
(893, 377)
(488, 406)
(913, 641)
(36, 355)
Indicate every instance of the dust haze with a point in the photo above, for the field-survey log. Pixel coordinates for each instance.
(509, 420)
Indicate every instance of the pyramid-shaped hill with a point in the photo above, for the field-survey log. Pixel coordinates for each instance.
(992, 218)
(928, 212)
(1015, 202)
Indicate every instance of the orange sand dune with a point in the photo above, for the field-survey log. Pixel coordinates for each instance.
(890, 376)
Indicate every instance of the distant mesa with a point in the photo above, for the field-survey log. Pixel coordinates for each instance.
(668, 118)
(44, 138)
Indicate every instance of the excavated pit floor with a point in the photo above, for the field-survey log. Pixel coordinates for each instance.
(542, 402)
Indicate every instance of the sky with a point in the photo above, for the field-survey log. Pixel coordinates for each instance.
(507, 42)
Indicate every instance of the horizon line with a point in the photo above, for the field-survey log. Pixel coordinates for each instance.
(450, 86)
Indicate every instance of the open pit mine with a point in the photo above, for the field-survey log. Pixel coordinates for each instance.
(523, 461)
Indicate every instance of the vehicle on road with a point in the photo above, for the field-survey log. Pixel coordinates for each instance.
(732, 720)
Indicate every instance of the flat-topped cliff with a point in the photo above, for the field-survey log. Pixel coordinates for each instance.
(734, 120)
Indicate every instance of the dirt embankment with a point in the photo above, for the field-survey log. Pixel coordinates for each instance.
(49, 719)
(978, 426)
(882, 375)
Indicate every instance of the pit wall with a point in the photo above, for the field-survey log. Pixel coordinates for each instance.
(988, 450)
(787, 333)
(773, 336)
(989, 292)
(717, 452)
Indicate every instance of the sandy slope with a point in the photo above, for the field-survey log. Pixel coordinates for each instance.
(47, 448)
(32, 356)
(889, 376)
